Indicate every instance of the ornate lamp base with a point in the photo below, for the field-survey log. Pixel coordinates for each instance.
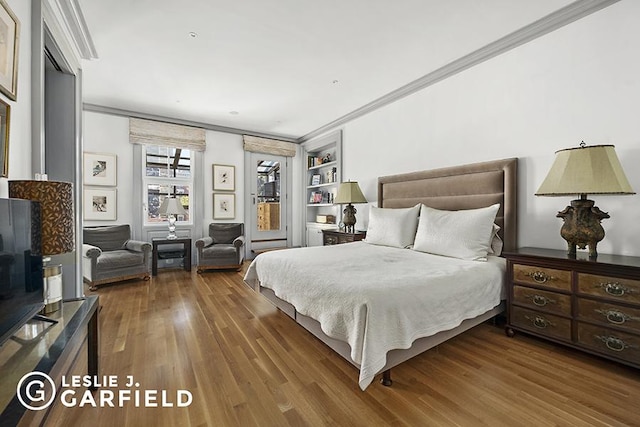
(581, 226)
(349, 218)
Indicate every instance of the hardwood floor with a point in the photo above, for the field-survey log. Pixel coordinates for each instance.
(247, 364)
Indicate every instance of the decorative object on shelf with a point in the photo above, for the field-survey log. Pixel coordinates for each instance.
(315, 179)
(5, 116)
(224, 206)
(56, 203)
(171, 207)
(100, 169)
(349, 192)
(100, 204)
(580, 171)
(224, 178)
(9, 34)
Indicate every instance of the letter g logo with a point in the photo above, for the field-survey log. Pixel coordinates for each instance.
(32, 391)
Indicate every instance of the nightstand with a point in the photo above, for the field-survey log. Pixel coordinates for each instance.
(591, 305)
(336, 237)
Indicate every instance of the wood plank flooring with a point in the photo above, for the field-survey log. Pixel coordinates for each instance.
(248, 364)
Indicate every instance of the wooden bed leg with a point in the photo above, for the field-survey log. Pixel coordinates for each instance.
(386, 378)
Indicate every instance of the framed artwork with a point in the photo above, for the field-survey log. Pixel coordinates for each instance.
(9, 36)
(100, 169)
(224, 206)
(224, 178)
(5, 115)
(100, 204)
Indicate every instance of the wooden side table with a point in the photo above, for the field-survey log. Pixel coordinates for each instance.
(337, 237)
(186, 252)
(589, 304)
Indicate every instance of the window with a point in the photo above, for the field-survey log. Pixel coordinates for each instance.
(167, 173)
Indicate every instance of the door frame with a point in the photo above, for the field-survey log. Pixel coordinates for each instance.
(287, 212)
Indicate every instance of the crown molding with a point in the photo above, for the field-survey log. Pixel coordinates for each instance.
(94, 108)
(558, 19)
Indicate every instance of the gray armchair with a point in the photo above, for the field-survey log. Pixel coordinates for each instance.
(109, 255)
(222, 249)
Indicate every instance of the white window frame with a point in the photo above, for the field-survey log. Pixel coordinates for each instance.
(168, 181)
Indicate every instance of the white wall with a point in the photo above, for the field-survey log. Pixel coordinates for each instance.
(106, 133)
(581, 82)
(20, 121)
(223, 149)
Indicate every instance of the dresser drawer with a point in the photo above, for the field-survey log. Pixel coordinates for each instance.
(612, 288)
(544, 300)
(610, 314)
(540, 276)
(614, 344)
(541, 323)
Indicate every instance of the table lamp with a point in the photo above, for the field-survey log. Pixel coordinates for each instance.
(580, 171)
(171, 206)
(56, 204)
(349, 192)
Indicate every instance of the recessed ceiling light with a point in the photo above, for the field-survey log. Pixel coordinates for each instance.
(233, 113)
(193, 34)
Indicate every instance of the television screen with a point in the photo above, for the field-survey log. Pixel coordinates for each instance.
(21, 280)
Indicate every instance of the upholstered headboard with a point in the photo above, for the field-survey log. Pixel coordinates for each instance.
(459, 187)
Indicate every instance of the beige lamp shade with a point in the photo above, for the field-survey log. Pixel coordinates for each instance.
(349, 192)
(585, 170)
(56, 205)
(172, 206)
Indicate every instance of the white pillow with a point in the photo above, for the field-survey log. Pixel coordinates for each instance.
(464, 234)
(392, 227)
(495, 248)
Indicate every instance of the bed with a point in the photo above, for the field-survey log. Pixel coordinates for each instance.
(371, 303)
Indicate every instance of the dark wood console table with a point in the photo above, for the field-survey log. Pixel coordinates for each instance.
(185, 253)
(50, 348)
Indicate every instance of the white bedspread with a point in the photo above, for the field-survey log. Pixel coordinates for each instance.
(378, 298)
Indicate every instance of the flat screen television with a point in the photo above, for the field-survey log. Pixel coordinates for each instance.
(21, 281)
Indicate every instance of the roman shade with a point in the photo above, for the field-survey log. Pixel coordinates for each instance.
(269, 146)
(151, 132)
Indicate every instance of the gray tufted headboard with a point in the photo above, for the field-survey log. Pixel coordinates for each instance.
(459, 187)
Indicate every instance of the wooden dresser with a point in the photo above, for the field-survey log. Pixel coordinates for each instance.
(590, 305)
(336, 237)
(268, 216)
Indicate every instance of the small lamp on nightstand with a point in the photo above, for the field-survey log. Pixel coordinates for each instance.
(349, 192)
(171, 206)
(584, 170)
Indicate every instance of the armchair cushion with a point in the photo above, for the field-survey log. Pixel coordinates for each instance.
(120, 258)
(225, 233)
(107, 238)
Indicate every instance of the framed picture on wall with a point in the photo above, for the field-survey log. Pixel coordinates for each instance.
(5, 115)
(100, 169)
(100, 204)
(9, 36)
(224, 178)
(224, 206)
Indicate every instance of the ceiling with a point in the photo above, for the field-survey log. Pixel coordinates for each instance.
(280, 67)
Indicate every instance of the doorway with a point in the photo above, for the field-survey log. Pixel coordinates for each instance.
(267, 222)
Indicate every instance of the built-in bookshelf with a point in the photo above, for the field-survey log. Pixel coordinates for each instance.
(323, 173)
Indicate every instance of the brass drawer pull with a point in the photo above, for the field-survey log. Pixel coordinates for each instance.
(616, 317)
(614, 344)
(540, 300)
(540, 322)
(615, 289)
(539, 276)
